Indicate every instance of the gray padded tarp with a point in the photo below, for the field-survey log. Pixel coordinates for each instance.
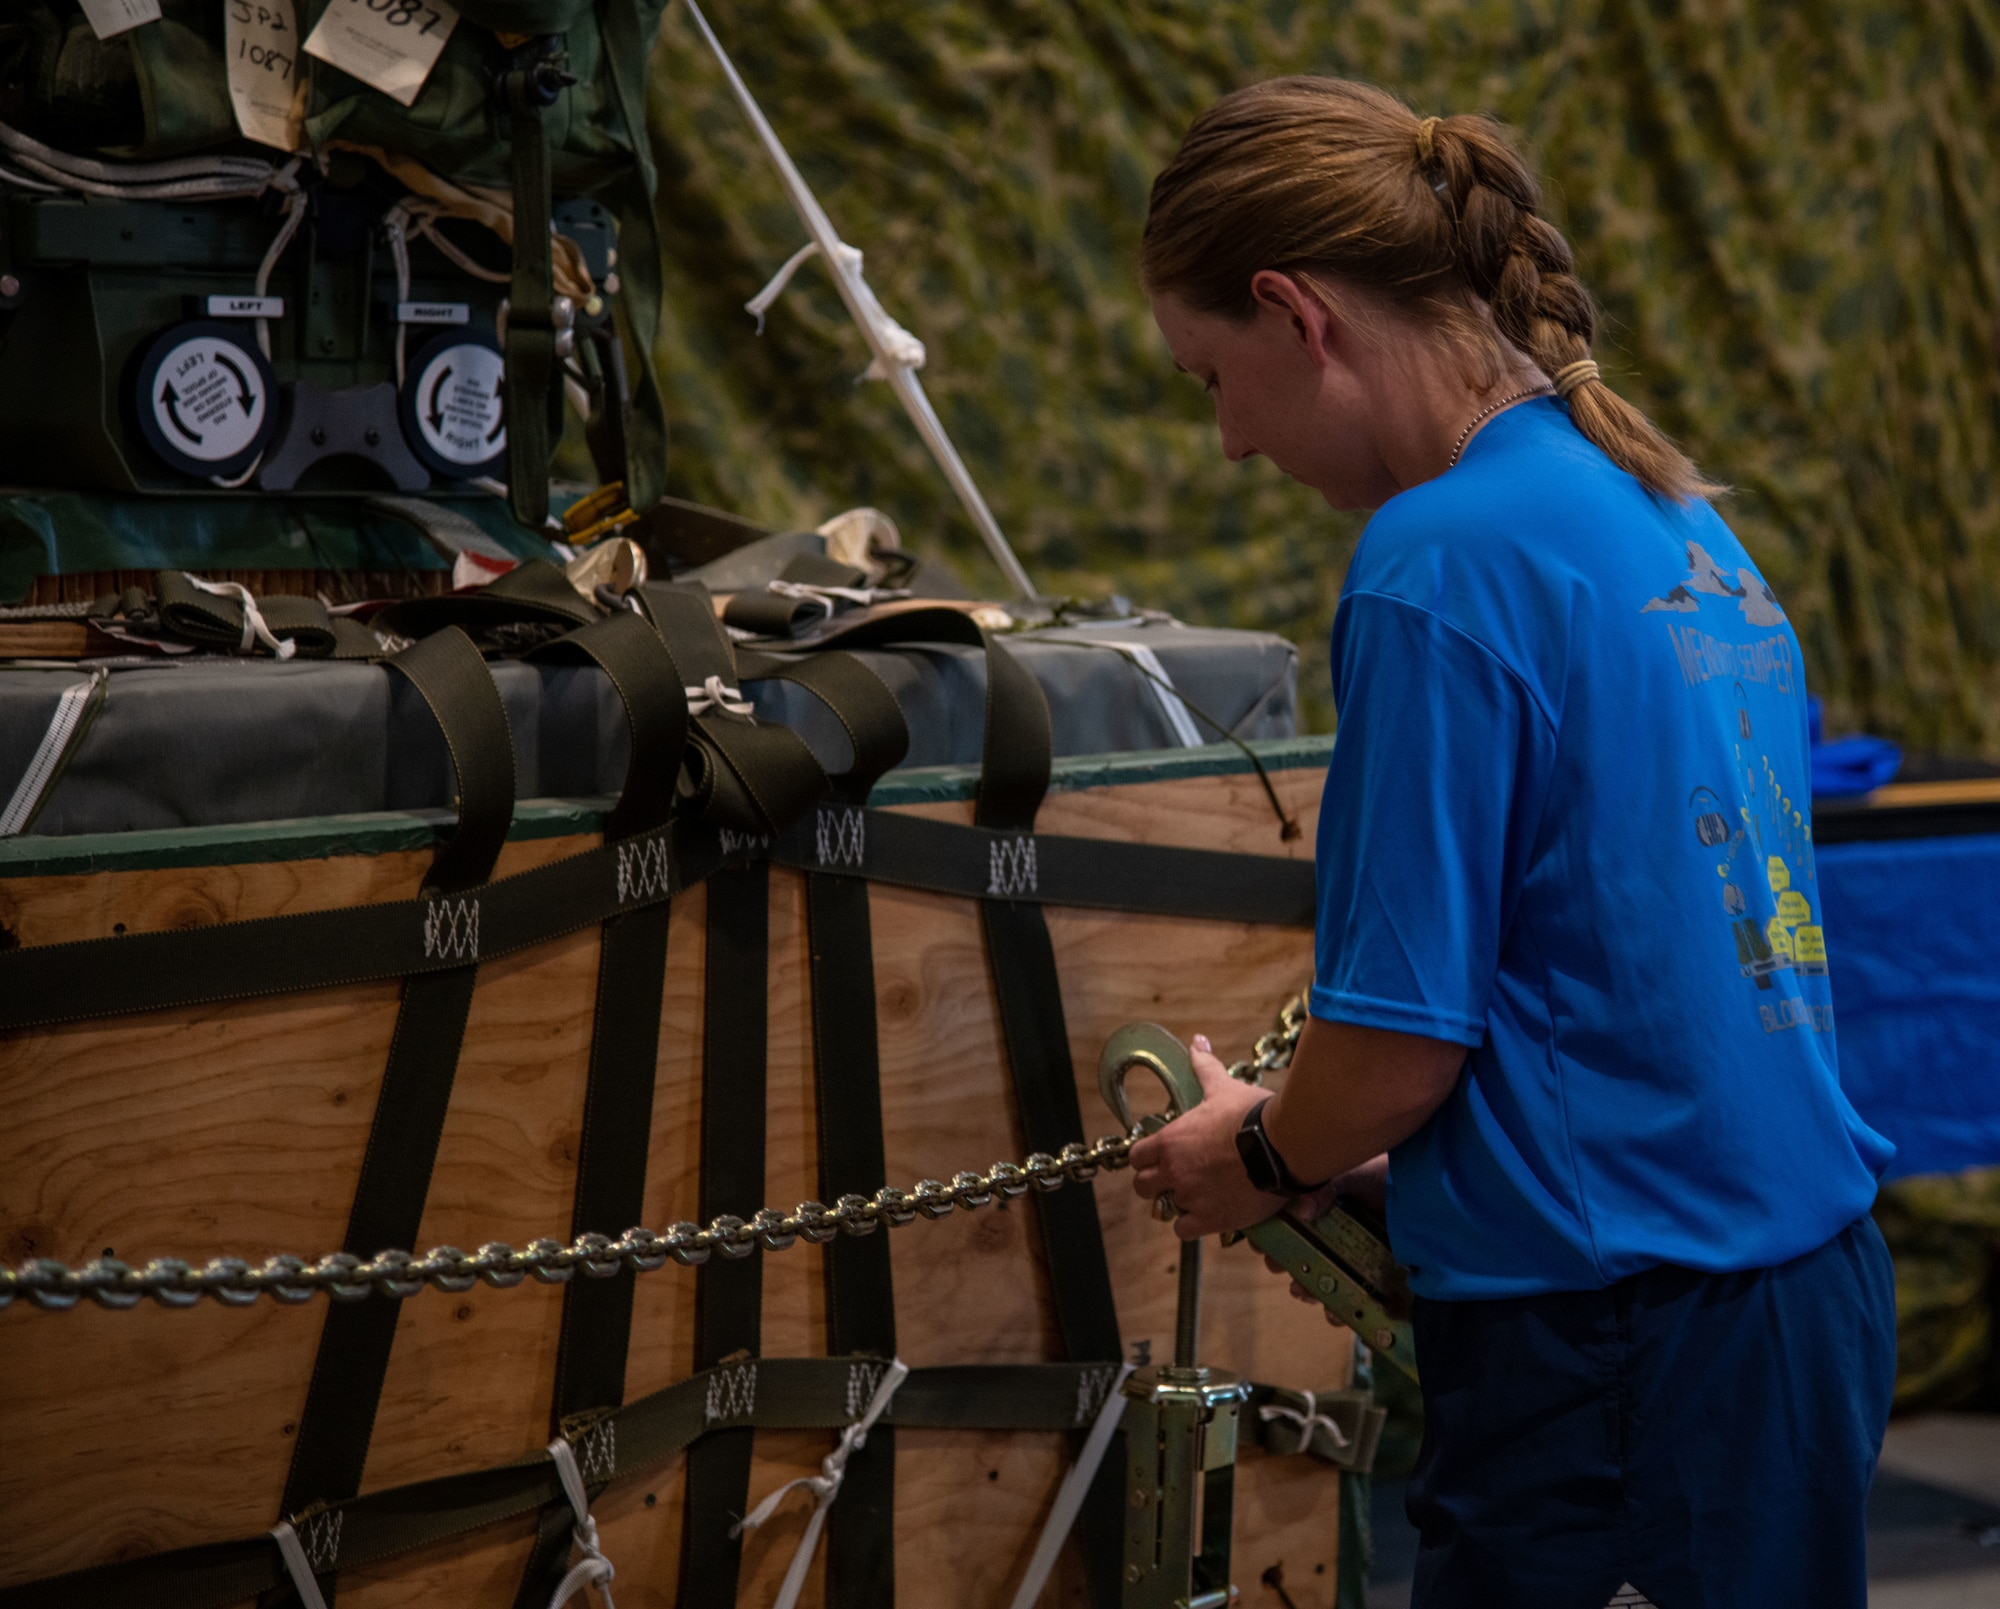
(210, 741)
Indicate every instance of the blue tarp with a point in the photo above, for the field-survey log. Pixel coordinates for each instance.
(1912, 938)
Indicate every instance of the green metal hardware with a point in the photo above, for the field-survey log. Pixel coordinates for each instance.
(1335, 1257)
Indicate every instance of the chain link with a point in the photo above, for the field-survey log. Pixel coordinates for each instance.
(235, 1283)
(1273, 1051)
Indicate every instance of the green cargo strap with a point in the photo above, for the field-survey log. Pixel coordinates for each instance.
(728, 1292)
(1014, 777)
(744, 775)
(82, 979)
(861, 1299)
(768, 1393)
(353, 1357)
(214, 620)
(624, 1052)
(535, 593)
(531, 325)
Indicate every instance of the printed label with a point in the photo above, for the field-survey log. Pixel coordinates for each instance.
(245, 306)
(390, 45)
(433, 313)
(459, 404)
(209, 399)
(109, 18)
(261, 42)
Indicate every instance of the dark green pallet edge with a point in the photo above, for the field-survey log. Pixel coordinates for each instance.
(385, 831)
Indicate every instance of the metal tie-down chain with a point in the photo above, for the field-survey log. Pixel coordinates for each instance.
(234, 1282)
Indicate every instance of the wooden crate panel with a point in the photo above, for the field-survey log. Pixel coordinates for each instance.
(239, 1128)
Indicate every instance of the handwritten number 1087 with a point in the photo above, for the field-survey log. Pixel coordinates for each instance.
(402, 13)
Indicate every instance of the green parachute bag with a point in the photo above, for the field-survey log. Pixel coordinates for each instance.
(534, 110)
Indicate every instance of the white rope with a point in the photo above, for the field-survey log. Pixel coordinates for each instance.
(593, 1569)
(825, 1486)
(804, 592)
(295, 213)
(296, 1566)
(255, 629)
(71, 708)
(1170, 702)
(395, 224)
(1305, 1421)
(1069, 1496)
(893, 357)
(895, 347)
(712, 695)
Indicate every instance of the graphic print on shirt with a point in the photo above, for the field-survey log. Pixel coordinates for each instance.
(1751, 822)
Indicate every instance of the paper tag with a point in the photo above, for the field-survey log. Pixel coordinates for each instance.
(390, 45)
(109, 18)
(262, 44)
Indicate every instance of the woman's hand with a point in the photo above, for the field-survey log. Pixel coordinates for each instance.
(1194, 1158)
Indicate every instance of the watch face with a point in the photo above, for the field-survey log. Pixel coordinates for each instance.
(453, 405)
(204, 395)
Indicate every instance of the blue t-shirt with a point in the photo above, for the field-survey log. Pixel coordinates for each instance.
(1567, 825)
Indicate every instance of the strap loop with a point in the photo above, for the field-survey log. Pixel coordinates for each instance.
(825, 1486)
(1304, 1420)
(593, 1568)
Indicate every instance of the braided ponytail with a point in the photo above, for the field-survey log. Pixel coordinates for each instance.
(1323, 176)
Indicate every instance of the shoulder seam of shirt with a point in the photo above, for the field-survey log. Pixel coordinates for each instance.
(1456, 630)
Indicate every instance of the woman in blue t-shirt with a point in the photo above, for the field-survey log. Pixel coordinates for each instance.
(1570, 973)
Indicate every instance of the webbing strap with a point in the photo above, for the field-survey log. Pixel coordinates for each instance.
(88, 978)
(728, 1293)
(857, 698)
(353, 1358)
(860, 1295)
(772, 1393)
(531, 336)
(1014, 775)
(624, 1052)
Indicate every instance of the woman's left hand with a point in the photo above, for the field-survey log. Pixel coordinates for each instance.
(1194, 1158)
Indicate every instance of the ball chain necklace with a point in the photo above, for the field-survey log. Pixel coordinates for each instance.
(1465, 435)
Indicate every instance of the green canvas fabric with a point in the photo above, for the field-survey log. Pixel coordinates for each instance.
(1944, 1230)
(161, 90)
(1790, 212)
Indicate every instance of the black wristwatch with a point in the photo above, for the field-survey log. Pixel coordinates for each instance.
(1261, 1161)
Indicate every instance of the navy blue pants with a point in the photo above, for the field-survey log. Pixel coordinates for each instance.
(1707, 1439)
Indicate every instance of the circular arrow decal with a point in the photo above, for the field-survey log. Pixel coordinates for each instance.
(204, 397)
(453, 413)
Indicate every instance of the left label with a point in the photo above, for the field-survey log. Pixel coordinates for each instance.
(108, 18)
(265, 85)
(390, 45)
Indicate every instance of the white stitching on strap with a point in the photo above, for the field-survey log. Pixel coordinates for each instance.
(643, 869)
(255, 629)
(1305, 1421)
(825, 1485)
(451, 929)
(593, 1567)
(732, 1394)
(1010, 866)
(840, 836)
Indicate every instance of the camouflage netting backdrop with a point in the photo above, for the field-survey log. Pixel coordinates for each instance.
(1788, 209)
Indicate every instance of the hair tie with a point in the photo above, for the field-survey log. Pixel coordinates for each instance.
(1426, 147)
(1571, 375)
